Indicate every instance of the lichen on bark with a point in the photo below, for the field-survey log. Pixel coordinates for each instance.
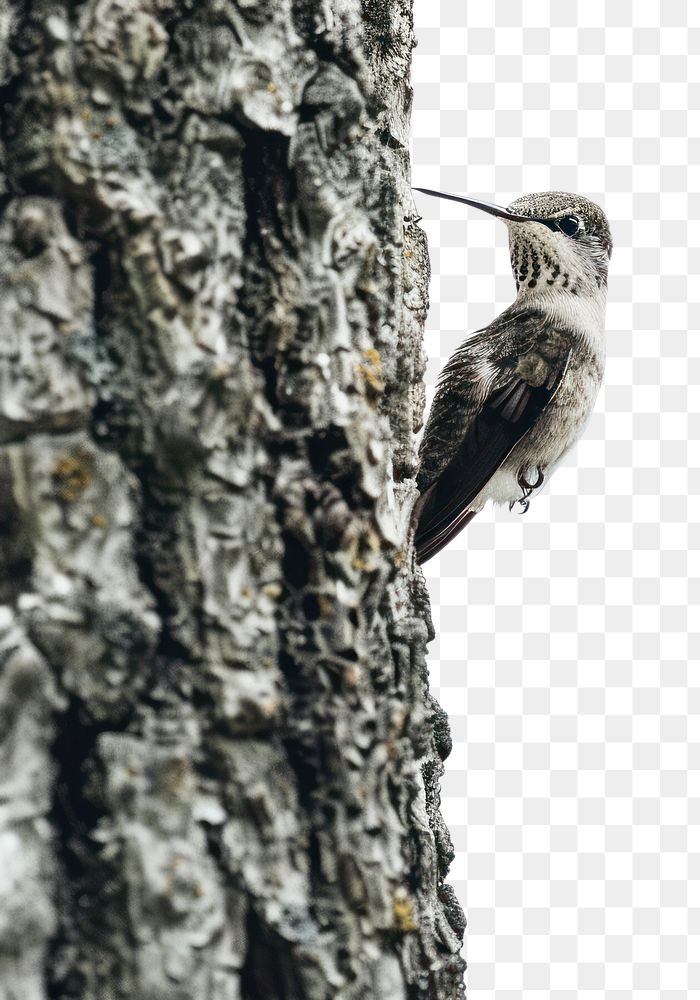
(220, 758)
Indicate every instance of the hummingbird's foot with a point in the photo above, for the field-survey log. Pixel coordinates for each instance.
(524, 505)
(527, 487)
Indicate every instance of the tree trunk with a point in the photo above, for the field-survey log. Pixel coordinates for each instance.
(218, 755)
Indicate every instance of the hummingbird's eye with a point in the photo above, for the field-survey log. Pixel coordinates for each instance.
(570, 225)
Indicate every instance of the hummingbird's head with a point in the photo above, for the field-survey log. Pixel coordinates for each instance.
(560, 244)
(558, 241)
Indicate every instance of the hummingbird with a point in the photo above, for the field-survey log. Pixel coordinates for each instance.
(516, 395)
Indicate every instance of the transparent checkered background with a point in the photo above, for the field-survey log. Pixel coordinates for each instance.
(569, 638)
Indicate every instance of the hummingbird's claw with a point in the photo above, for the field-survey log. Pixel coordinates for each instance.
(527, 487)
(524, 505)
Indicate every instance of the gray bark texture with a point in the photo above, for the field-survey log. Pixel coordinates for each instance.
(219, 759)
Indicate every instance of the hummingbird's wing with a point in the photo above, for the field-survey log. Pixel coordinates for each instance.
(490, 395)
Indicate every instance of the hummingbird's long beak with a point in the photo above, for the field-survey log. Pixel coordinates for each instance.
(485, 206)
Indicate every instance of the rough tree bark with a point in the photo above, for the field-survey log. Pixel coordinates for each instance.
(218, 755)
